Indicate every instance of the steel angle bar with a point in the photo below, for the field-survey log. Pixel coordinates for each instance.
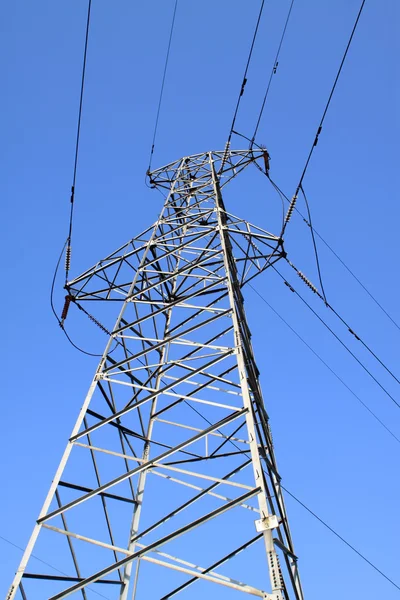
(139, 553)
(191, 428)
(84, 538)
(183, 562)
(181, 245)
(210, 274)
(232, 583)
(196, 487)
(128, 408)
(170, 467)
(191, 394)
(259, 236)
(213, 377)
(66, 578)
(183, 272)
(214, 566)
(170, 338)
(142, 467)
(193, 398)
(186, 504)
(213, 302)
(210, 387)
(70, 544)
(82, 488)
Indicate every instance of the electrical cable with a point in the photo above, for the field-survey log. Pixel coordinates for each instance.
(340, 537)
(283, 206)
(292, 289)
(273, 72)
(67, 244)
(330, 98)
(314, 244)
(352, 274)
(56, 315)
(325, 363)
(312, 228)
(78, 132)
(162, 87)
(358, 338)
(244, 80)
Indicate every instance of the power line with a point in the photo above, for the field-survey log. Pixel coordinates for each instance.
(273, 72)
(352, 274)
(292, 289)
(67, 244)
(341, 538)
(54, 310)
(330, 97)
(162, 86)
(335, 254)
(244, 80)
(358, 338)
(324, 363)
(314, 244)
(78, 133)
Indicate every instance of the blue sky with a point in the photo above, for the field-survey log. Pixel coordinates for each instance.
(331, 453)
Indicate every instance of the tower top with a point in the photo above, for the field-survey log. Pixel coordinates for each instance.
(227, 164)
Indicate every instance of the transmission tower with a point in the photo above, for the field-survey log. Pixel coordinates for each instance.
(168, 485)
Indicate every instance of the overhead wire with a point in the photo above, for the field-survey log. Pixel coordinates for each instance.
(352, 274)
(244, 80)
(78, 133)
(273, 72)
(67, 247)
(341, 538)
(335, 312)
(299, 186)
(292, 289)
(374, 415)
(314, 244)
(330, 97)
(335, 254)
(162, 87)
(55, 312)
(314, 289)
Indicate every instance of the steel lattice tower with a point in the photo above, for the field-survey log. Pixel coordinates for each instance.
(168, 484)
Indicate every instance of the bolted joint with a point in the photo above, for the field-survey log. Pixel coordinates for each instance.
(267, 523)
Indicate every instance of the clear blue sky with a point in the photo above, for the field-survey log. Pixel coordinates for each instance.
(331, 453)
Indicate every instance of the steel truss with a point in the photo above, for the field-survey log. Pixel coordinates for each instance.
(168, 484)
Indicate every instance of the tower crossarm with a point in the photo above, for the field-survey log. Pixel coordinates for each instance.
(190, 202)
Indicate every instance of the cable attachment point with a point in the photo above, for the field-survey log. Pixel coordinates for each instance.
(308, 282)
(226, 152)
(99, 325)
(288, 285)
(317, 136)
(243, 86)
(92, 318)
(354, 333)
(67, 302)
(267, 158)
(291, 209)
(275, 67)
(68, 258)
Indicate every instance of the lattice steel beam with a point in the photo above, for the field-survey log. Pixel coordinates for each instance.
(170, 464)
